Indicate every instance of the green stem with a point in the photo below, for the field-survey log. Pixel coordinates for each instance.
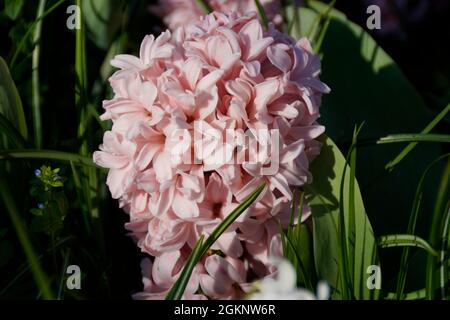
(436, 225)
(414, 137)
(38, 273)
(36, 101)
(81, 78)
(30, 29)
(47, 154)
(409, 147)
(404, 262)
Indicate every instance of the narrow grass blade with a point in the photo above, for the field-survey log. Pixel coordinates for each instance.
(401, 279)
(443, 258)
(289, 246)
(203, 4)
(347, 234)
(328, 199)
(38, 273)
(231, 218)
(63, 272)
(262, 14)
(30, 29)
(177, 290)
(443, 194)
(82, 198)
(409, 147)
(35, 85)
(405, 240)
(323, 15)
(81, 78)
(46, 154)
(25, 267)
(414, 137)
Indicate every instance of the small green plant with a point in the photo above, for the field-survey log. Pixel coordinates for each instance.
(47, 189)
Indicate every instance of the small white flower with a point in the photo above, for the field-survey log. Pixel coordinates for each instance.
(283, 286)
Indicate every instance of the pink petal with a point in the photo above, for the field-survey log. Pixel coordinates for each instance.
(184, 208)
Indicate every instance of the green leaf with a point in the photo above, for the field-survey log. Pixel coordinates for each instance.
(444, 259)
(297, 245)
(439, 212)
(391, 164)
(47, 154)
(35, 84)
(262, 14)
(10, 102)
(415, 295)
(203, 4)
(231, 218)
(102, 18)
(324, 198)
(367, 86)
(177, 290)
(13, 8)
(39, 275)
(415, 137)
(405, 240)
(404, 262)
(30, 29)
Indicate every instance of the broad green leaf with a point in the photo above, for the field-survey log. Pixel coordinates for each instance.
(10, 103)
(327, 171)
(367, 86)
(404, 262)
(13, 8)
(305, 245)
(297, 244)
(103, 19)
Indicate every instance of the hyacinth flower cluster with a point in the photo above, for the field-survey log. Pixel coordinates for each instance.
(176, 171)
(180, 13)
